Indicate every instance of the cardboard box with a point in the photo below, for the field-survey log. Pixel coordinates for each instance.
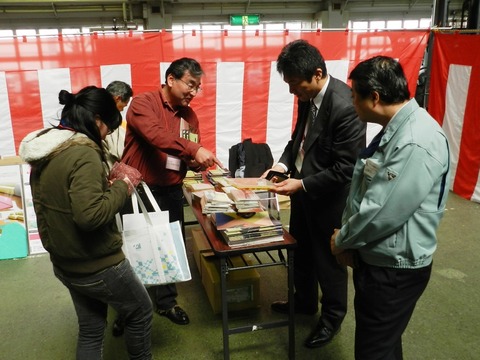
(200, 245)
(243, 286)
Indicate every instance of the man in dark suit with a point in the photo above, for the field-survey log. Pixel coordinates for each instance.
(319, 159)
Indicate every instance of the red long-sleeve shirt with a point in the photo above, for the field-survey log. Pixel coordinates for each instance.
(153, 132)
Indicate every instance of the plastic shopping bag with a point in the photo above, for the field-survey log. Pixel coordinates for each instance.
(154, 246)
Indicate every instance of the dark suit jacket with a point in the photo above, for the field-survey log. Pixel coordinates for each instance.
(331, 148)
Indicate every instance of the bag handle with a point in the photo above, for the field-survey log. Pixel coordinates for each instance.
(136, 199)
(142, 206)
(150, 196)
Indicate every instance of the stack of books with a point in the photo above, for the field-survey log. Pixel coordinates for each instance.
(193, 175)
(215, 201)
(192, 178)
(238, 231)
(246, 200)
(198, 186)
(214, 175)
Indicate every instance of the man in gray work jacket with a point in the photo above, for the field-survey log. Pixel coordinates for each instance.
(397, 198)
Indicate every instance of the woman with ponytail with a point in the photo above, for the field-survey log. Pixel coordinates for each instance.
(75, 205)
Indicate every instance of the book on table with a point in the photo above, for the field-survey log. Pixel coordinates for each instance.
(237, 230)
(215, 201)
(246, 200)
(252, 242)
(249, 239)
(218, 172)
(193, 175)
(197, 185)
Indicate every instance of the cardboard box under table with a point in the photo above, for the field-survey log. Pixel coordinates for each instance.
(243, 286)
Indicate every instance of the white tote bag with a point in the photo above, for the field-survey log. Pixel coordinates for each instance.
(153, 245)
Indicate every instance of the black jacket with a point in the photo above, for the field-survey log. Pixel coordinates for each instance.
(257, 158)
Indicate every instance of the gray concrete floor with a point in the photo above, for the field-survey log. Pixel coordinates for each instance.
(38, 320)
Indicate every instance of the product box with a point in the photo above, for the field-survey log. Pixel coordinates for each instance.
(200, 246)
(243, 286)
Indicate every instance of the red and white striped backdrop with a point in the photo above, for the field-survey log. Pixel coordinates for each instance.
(243, 95)
(454, 102)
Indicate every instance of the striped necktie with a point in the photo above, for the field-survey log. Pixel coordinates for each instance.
(313, 110)
(310, 122)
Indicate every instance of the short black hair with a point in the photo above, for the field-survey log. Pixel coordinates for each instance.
(384, 75)
(178, 68)
(300, 59)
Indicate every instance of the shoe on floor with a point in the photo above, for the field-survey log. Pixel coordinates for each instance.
(118, 327)
(321, 336)
(176, 315)
(282, 307)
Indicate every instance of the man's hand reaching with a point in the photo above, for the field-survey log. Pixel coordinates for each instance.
(205, 159)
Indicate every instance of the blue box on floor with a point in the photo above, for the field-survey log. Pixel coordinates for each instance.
(13, 240)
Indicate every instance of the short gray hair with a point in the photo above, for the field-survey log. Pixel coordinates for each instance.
(120, 88)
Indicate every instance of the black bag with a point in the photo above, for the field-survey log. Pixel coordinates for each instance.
(248, 159)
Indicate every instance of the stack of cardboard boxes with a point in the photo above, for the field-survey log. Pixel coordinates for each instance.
(243, 286)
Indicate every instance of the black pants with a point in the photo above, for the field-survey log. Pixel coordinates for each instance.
(314, 263)
(169, 199)
(384, 302)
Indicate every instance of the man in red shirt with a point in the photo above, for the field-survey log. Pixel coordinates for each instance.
(163, 141)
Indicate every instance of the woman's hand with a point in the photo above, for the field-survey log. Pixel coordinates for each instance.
(126, 173)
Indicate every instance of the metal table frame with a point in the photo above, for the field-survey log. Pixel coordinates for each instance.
(223, 252)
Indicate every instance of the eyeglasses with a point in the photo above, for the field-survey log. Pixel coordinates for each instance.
(191, 87)
(110, 131)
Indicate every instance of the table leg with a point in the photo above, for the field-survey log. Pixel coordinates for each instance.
(291, 310)
(223, 286)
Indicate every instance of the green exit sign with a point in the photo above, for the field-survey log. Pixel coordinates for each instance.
(244, 19)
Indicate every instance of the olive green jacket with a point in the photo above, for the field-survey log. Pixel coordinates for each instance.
(74, 205)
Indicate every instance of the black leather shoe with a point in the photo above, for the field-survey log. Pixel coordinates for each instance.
(322, 335)
(118, 327)
(176, 315)
(282, 307)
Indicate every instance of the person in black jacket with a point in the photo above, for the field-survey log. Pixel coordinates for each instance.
(319, 159)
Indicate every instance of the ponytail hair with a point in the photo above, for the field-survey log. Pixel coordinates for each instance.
(81, 110)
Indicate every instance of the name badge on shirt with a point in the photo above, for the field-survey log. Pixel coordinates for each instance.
(173, 163)
(193, 137)
(371, 169)
(186, 133)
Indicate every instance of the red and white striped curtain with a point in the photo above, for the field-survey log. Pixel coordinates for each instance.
(243, 95)
(454, 101)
